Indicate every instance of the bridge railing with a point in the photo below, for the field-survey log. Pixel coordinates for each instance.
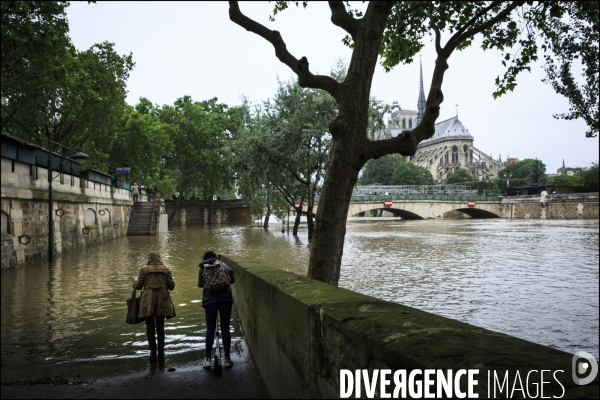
(423, 197)
(439, 197)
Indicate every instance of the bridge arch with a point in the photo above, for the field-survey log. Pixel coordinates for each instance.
(397, 212)
(477, 213)
(428, 208)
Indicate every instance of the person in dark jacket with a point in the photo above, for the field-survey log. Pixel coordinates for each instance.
(216, 302)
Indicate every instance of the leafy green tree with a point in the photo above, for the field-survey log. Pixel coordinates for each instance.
(537, 175)
(35, 47)
(461, 175)
(52, 91)
(589, 178)
(291, 136)
(574, 38)
(407, 173)
(565, 180)
(495, 188)
(142, 143)
(520, 169)
(256, 177)
(199, 162)
(393, 32)
(380, 171)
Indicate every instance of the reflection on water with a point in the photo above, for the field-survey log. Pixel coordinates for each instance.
(537, 280)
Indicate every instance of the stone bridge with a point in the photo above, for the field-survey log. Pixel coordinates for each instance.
(428, 209)
(425, 207)
(558, 206)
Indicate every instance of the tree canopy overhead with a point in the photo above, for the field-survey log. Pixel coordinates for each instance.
(52, 91)
(392, 33)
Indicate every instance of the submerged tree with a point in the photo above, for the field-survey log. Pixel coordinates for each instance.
(286, 146)
(395, 32)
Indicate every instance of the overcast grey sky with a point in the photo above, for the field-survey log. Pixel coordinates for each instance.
(192, 48)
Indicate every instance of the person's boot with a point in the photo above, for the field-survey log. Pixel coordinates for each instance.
(161, 354)
(153, 357)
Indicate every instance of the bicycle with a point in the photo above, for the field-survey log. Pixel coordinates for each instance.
(217, 359)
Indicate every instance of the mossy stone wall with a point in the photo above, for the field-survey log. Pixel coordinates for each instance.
(303, 332)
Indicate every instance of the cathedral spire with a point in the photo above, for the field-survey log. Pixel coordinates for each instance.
(421, 101)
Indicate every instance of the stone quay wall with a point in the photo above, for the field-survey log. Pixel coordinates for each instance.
(196, 212)
(84, 212)
(302, 332)
(555, 206)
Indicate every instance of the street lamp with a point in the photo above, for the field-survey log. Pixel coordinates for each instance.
(508, 180)
(77, 156)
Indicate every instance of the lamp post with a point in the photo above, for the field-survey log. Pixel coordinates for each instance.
(77, 156)
(508, 180)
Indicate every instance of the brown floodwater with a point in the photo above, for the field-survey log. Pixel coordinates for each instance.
(536, 280)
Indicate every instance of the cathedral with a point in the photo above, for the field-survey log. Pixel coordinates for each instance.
(450, 148)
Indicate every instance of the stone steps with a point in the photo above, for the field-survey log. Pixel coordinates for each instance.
(140, 219)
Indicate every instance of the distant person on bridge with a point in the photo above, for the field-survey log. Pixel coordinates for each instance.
(216, 298)
(155, 303)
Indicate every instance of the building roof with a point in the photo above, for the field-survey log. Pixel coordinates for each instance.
(448, 129)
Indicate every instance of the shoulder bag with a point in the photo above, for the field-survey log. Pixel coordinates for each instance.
(133, 307)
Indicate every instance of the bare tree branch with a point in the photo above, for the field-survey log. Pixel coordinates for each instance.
(341, 18)
(436, 30)
(300, 67)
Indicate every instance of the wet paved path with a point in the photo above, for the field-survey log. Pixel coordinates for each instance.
(137, 379)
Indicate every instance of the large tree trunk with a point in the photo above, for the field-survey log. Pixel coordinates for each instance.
(330, 228)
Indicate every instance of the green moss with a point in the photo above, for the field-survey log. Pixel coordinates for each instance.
(307, 290)
(319, 327)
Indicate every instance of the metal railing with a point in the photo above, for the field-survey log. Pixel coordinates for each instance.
(446, 190)
(425, 197)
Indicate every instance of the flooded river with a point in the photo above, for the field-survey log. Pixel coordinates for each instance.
(537, 280)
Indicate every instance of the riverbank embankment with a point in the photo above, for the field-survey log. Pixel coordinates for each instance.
(302, 333)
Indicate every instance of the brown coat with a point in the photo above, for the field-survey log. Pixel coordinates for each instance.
(156, 281)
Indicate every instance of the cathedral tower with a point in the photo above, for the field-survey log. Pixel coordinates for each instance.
(421, 101)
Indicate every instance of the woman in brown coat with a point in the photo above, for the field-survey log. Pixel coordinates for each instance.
(155, 303)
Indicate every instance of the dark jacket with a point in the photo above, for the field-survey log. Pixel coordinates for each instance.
(224, 295)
